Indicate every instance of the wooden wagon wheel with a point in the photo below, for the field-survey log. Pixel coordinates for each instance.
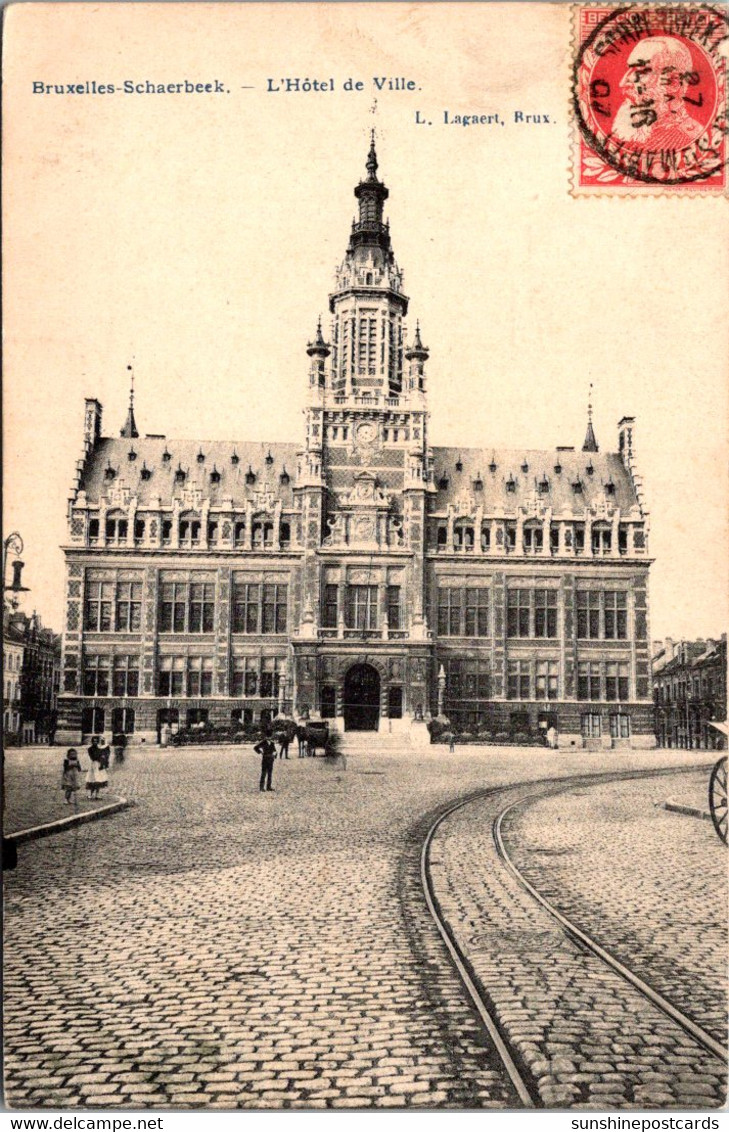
(718, 798)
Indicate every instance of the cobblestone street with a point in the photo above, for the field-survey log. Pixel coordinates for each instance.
(217, 947)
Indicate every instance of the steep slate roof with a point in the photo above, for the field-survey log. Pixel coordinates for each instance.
(184, 454)
(607, 468)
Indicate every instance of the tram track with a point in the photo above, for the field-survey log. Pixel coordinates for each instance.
(523, 1080)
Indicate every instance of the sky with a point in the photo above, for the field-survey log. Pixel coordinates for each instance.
(196, 236)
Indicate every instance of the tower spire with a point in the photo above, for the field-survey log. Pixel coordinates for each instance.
(370, 230)
(590, 444)
(130, 427)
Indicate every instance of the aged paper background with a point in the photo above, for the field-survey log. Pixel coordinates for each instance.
(196, 235)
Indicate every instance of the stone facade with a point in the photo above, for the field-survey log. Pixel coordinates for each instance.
(364, 576)
(689, 693)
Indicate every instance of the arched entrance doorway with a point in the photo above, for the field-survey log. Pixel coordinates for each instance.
(361, 698)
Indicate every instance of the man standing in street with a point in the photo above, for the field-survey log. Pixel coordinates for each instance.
(266, 748)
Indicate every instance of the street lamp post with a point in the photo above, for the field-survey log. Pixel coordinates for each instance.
(13, 544)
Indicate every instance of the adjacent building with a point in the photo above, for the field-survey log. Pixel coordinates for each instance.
(32, 676)
(361, 575)
(689, 693)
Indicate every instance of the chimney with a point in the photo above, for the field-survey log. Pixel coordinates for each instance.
(92, 424)
(669, 648)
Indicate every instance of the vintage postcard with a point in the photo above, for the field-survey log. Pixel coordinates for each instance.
(365, 558)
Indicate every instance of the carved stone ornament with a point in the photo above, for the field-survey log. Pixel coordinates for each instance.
(264, 500)
(119, 495)
(192, 496)
(365, 493)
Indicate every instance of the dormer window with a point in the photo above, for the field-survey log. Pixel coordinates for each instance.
(109, 472)
(285, 478)
(525, 467)
(215, 475)
(250, 475)
(180, 474)
(589, 469)
(478, 484)
(443, 483)
(201, 457)
(610, 488)
(511, 485)
(145, 472)
(235, 459)
(166, 456)
(543, 486)
(492, 467)
(577, 487)
(459, 464)
(131, 455)
(269, 458)
(558, 469)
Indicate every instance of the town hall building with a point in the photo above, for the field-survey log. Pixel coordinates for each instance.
(361, 576)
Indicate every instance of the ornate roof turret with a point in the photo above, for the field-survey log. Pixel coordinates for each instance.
(590, 444)
(130, 427)
(417, 350)
(370, 230)
(318, 348)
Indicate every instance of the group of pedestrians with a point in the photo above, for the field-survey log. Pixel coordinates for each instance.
(97, 776)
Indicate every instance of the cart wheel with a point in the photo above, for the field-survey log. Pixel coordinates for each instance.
(718, 798)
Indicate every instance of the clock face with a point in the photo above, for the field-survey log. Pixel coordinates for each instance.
(366, 432)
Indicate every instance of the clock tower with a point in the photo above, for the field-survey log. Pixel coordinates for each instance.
(364, 474)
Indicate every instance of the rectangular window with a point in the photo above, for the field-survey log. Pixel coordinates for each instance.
(166, 532)
(617, 680)
(139, 527)
(533, 540)
(450, 611)
(98, 606)
(116, 531)
(93, 530)
(545, 613)
(517, 613)
(173, 602)
(510, 532)
(547, 677)
(275, 599)
(588, 681)
(244, 677)
(200, 676)
(269, 676)
(588, 615)
(125, 679)
(202, 607)
(96, 675)
(393, 607)
(517, 687)
(328, 701)
(620, 726)
(477, 612)
(362, 607)
(171, 676)
(329, 606)
(590, 725)
(122, 720)
(602, 539)
(579, 538)
(616, 615)
(246, 603)
(394, 702)
(128, 607)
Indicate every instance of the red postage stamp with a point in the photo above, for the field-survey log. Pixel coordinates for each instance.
(650, 99)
